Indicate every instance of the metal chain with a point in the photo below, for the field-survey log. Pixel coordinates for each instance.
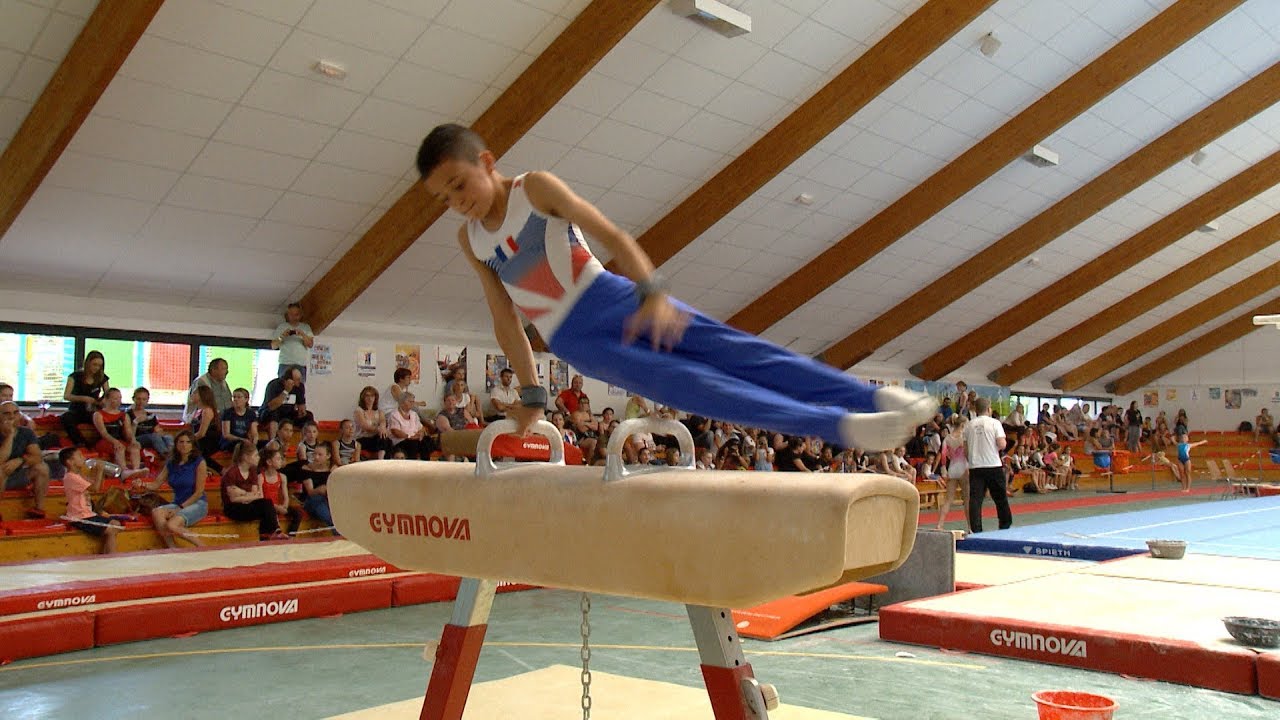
(585, 654)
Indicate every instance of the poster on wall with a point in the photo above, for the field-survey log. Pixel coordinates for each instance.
(366, 362)
(410, 356)
(1195, 394)
(1151, 398)
(493, 365)
(558, 372)
(1215, 393)
(1171, 394)
(1275, 396)
(617, 391)
(1249, 392)
(1232, 399)
(321, 359)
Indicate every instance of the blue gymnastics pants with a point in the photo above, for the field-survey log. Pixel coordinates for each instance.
(716, 371)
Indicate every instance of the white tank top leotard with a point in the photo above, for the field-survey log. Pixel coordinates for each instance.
(543, 261)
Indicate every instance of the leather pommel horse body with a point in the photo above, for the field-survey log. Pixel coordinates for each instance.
(711, 540)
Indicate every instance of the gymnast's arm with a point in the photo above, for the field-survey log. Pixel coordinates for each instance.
(508, 330)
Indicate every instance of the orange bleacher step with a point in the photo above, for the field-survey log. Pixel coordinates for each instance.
(801, 614)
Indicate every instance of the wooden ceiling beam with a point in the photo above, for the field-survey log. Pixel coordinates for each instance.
(1131, 56)
(591, 35)
(93, 60)
(1180, 325)
(1166, 288)
(1218, 337)
(872, 73)
(1156, 237)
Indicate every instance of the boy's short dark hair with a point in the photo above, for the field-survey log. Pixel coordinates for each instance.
(64, 455)
(400, 374)
(449, 142)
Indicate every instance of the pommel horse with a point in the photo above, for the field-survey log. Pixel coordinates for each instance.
(708, 539)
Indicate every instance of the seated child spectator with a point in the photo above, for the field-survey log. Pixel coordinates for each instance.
(315, 483)
(239, 424)
(185, 473)
(463, 398)
(275, 487)
(242, 494)
(21, 461)
(146, 425)
(208, 427)
(347, 446)
(306, 451)
(928, 469)
(80, 515)
(901, 465)
(115, 435)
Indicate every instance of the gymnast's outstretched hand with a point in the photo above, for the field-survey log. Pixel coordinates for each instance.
(659, 320)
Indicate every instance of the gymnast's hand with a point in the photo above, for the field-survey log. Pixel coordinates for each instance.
(525, 418)
(659, 320)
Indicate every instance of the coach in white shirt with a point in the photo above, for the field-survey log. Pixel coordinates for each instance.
(503, 397)
(983, 441)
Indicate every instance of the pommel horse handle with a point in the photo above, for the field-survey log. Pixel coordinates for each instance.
(615, 469)
(732, 688)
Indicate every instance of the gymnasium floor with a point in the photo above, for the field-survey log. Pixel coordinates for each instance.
(325, 667)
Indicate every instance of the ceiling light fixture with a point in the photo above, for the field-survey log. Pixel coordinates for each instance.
(804, 199)
(1267, 320)
(330, 69)
(1211, 226)
(1199, 157)
(1041, 156)
(989, 44)
(715, 15)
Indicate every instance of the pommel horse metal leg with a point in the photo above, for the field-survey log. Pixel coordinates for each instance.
(459, 651)
(731, 686)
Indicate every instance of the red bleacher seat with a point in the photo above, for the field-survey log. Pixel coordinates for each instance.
(49, 526)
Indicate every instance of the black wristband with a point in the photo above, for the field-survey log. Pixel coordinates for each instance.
(533, 396)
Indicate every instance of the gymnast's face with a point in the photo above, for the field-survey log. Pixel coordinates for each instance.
(465, 186)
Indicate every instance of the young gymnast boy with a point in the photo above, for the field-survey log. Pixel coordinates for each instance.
(524, 237)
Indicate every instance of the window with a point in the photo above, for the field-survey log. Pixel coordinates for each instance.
(36, 366)
(162, 368)
(247, 367)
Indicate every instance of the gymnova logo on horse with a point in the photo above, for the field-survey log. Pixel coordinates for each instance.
(366, 572)
(253, 611)
(1040, 643)
(63, 602)
(421, 525)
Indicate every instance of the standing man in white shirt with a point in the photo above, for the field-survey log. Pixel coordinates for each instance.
(983, 441)
(294, 340)
(504, 396)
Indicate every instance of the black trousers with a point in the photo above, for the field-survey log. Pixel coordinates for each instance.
(982, 480)
(261, 510)
(70, 419)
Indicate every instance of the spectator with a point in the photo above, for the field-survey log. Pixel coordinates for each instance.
(215, 378)
(293, 338)
(84, 391)
(916, 447)
(286, 397)
(1045, 417)
(21, 462)
(239, 423)
(730, 457)
(80, 515)
(636, 408)
(929, 468)
(276, 489)
(464, 399)
(901, 465)
(984, 439)
(242, 494)
(407, 433)
(315, 481)
(305, 452)
(1180, 423)
(945, 409)
(115, 435)
(347, 446)
(371, 423)
(208, 428)
(6, 395)
(789, 458)
(1264, 424)
(1133, 427)
(962, 400)
(453, 416)
(146, 425)
(185, 473)
(1017, 418)
(504, 395)
(586, 427)
(390, 401)
(568, 399)
(281, 433)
